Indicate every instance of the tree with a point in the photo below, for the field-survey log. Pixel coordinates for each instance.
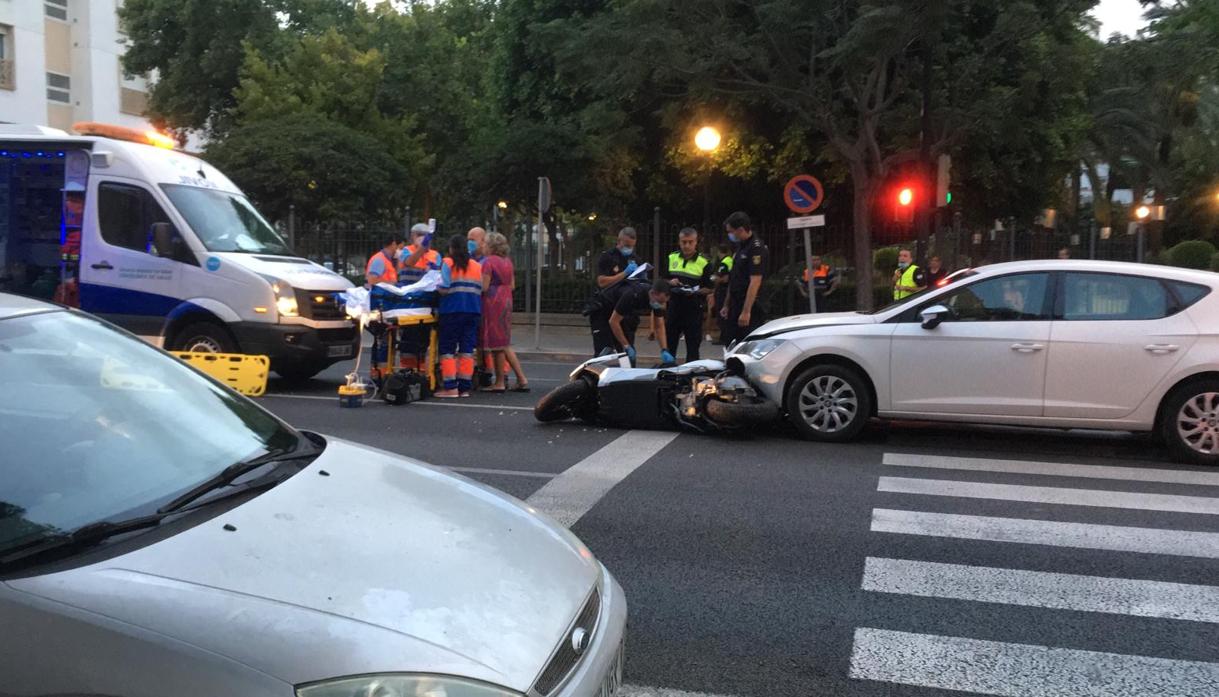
(858, 74)
(327, 170)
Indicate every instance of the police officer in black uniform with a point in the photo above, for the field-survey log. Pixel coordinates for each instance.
(741, 309)
(613, 267)
(613, 314)
(689, 275)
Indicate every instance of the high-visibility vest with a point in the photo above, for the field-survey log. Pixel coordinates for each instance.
(688, 269)
(465, 291)
(414, 273)
(390, 275)
(727, 261)
(906, 279)
(822, 271)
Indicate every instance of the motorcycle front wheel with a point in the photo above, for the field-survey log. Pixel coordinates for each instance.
(737, 414)
(567, 401)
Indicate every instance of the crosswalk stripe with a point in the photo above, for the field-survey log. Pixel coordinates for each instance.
(1058, 469)
(1047, 494)
(640, 691)
(1122, 596)
(1115, 538)
(1021, 670)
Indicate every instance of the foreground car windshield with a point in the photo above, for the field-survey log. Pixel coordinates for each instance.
(97, 424)
(225, 222)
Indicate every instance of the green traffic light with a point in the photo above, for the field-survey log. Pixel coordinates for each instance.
(948, 198)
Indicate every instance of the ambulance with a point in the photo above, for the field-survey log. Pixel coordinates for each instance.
(119, 223)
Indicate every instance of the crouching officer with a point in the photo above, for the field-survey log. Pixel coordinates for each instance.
(689, 276)
(742, 310)
(613, 314)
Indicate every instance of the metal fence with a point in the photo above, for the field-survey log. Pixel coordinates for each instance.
(569, 255)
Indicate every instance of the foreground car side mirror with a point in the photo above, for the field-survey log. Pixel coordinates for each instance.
(932, 316)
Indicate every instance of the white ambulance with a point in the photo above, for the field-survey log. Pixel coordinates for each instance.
(118, 223)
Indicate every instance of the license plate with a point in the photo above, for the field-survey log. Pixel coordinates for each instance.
(613, 679)
(338, 351)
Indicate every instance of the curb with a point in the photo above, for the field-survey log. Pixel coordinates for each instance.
(544, 356)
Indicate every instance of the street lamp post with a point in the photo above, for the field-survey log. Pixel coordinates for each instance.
(707, 139)
(499, 206)
(1142, 213)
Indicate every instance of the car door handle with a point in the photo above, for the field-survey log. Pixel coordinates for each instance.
(1161, 348)
(1027, 348)
(104, 265)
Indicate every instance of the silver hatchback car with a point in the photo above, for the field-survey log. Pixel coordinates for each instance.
(161, 534)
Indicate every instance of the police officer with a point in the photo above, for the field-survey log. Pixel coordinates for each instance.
(908, 278)
(742, 309)
(617, 264)
(689, 276)
(613, 314)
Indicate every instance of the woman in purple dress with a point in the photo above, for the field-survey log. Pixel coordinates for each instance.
(498, 284)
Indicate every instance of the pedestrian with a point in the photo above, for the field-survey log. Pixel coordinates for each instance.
(908, 278)
(935, 271)
(461, 289)
(689, 276)
(615, 265)
(499, 281)
(1064, 253)
(476, 244)
(723, 269)
(476, 240)
(741, 307)
(382, 266)
(825, 282)
(417, 258)
(613, 314)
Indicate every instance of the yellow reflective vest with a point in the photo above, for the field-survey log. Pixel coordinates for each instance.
(906, 279)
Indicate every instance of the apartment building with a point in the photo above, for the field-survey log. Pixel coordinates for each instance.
(59, 64)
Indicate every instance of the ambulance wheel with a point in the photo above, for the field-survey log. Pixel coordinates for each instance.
(204, 337)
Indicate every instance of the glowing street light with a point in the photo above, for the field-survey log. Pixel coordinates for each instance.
(707, 139)
(592, 217)
(1142, 212)
(502, 205)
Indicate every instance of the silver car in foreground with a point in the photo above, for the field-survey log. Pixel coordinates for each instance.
(160, 534)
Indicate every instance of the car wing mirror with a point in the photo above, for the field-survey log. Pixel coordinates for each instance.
(932, 316)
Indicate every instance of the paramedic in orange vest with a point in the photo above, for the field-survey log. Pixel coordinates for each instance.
(825, 281)
(415, 260)
(461, 290)
(383, 267)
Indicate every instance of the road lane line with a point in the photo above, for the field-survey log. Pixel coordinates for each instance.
(1048, 494)
(423, 403)
(567, 497)
(1057, 469)
(640, 691)
(506, 473)
(1121, 596)
(1021, 670)
(1181, 543)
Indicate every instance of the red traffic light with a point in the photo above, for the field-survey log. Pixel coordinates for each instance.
(905, 196)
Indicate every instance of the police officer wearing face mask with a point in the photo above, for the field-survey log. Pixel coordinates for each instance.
(615, 265)
(741, 308)
(908, 278)
(689, 274)
(613, 314)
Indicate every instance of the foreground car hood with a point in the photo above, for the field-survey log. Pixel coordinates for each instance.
(384, 565)
(825, 319)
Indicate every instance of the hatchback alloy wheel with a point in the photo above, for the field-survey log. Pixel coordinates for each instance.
(828, 403)
(1198, 423)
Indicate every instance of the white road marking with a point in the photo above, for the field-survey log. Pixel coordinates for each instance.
(1021, 670)
(1058, 469)
(424, 403)
(639, 691)
(984, 584)
(1182, 543)
(567, 497)
(1047, 494)
(506, 473)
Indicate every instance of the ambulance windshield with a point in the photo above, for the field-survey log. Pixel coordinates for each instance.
(225, 222)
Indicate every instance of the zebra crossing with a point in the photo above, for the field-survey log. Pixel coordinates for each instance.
(985, 666)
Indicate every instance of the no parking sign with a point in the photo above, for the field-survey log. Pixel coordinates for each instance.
(803, 194)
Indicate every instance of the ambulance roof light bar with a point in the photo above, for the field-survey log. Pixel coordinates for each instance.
(133, 135)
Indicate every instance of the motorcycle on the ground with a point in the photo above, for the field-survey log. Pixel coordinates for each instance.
(703, 396)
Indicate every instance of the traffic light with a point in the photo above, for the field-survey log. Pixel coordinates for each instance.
(943, 176)
(903, 211)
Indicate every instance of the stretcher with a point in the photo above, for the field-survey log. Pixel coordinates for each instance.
(399, 312)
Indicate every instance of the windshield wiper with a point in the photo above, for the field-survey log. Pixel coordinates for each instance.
(230, 474)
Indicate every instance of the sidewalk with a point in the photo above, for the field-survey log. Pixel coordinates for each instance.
(568, 339)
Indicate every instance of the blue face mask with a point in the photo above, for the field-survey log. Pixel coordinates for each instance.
(627, 251)
(732, 238)
(472, 246)
(903, 264)
(657, 306)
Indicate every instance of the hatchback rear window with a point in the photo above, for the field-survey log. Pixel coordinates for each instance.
(1188, 293)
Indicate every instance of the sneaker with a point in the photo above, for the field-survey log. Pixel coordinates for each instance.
(446, 394)
(463, 394)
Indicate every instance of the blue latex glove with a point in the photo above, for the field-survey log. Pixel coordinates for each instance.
(666, 357)
(630, 353)
(630, 268)
(427, 240)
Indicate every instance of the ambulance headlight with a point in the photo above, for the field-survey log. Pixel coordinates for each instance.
(285, 299)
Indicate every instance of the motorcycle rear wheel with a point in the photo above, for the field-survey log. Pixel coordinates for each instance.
(567, 401)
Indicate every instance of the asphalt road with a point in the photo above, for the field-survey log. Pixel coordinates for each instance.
(923, 560)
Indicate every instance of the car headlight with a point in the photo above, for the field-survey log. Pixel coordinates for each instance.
(758, 349)
(402, 686)
(285, 297)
